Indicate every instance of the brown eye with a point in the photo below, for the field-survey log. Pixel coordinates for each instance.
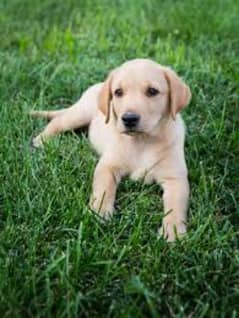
(118, 92)
(151, 91)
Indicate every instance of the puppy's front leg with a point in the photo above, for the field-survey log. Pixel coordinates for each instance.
(106, 179)
(175, 197)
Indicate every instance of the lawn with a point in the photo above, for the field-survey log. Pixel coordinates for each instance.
(56, 259)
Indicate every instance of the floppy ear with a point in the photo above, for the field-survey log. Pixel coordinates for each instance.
(105, 98)
(179, 92)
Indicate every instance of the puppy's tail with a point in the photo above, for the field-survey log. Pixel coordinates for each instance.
(47, 114)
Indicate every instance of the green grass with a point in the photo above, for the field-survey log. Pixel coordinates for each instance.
(56, 260)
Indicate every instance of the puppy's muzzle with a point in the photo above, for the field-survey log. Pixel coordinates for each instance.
(130, 120)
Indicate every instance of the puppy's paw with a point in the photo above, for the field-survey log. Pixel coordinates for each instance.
(171, 231)
(37, 142)
(102, 210)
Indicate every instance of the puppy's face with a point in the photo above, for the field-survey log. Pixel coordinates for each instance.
(139, 94)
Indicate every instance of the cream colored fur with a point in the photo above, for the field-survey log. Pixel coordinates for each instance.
(153, 152)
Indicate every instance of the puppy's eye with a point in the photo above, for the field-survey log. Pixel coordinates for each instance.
(151, 91)
(118, 92)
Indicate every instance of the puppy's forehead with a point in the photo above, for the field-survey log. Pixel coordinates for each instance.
(140, 71)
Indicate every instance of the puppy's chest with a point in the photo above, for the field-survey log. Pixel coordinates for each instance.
(144, 165)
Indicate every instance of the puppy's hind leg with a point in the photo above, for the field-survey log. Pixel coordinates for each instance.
(78, 115)
(71, 119)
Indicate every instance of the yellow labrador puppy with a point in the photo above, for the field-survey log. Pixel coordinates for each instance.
(135, 126)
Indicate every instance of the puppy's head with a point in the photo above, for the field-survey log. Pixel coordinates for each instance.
(139, 93)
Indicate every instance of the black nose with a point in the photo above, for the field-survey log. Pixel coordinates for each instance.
(130, 120)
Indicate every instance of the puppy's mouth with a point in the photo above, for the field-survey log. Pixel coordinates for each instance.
(132, 132)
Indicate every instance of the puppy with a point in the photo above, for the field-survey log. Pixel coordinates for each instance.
(135, 126)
